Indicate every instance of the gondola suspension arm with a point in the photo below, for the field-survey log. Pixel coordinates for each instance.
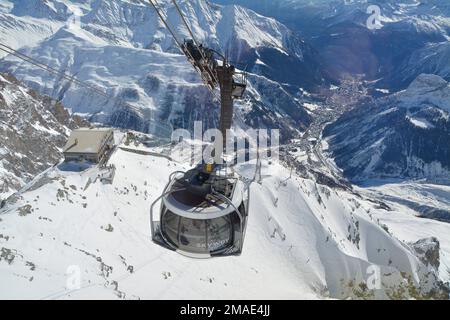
(165, 21)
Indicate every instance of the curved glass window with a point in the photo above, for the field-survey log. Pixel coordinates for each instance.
(198, 236)
(220, 233)
(170, 227)
(192, 236)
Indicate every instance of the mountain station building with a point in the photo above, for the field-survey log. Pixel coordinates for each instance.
(89, 144)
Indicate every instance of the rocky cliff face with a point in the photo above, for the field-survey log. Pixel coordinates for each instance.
(33, 129)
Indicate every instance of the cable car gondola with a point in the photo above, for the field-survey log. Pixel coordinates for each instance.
(203, 213)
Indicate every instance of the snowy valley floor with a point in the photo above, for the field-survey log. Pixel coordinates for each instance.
(304, 241)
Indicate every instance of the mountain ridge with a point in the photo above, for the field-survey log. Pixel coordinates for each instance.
(33, 130)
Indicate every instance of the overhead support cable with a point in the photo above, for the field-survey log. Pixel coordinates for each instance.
(5, 48)
(49, 69)
(194, 39)
(167, 24)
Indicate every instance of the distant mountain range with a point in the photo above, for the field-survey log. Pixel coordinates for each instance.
(413, 40)
(381, 137)
(403, 135)
(123, 48)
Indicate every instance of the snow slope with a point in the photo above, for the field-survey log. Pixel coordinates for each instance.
(432, 59)
(303, 241)
(17, 31)
(427, 200)
(413, 206)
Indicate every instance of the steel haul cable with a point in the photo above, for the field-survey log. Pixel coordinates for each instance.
(49, 69)
(193, 38)
(166, 23)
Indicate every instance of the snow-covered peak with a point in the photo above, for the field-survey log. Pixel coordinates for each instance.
(253, 28)
(47, 9)
(427, 82)
(425, 90)
(136, 21)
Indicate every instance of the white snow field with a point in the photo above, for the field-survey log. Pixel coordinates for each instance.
(303, 241)
(412, 202)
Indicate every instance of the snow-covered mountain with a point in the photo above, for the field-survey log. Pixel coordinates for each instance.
(406, 134)
(311, 233)
(303, 241)
(432, 59)
(338, 30)
(313, 17)
(20, 31)
(122, 47)
(33, 129)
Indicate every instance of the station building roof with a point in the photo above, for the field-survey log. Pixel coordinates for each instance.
(86, 140)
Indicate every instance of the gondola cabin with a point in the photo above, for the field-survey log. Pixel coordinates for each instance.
(202, 214)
